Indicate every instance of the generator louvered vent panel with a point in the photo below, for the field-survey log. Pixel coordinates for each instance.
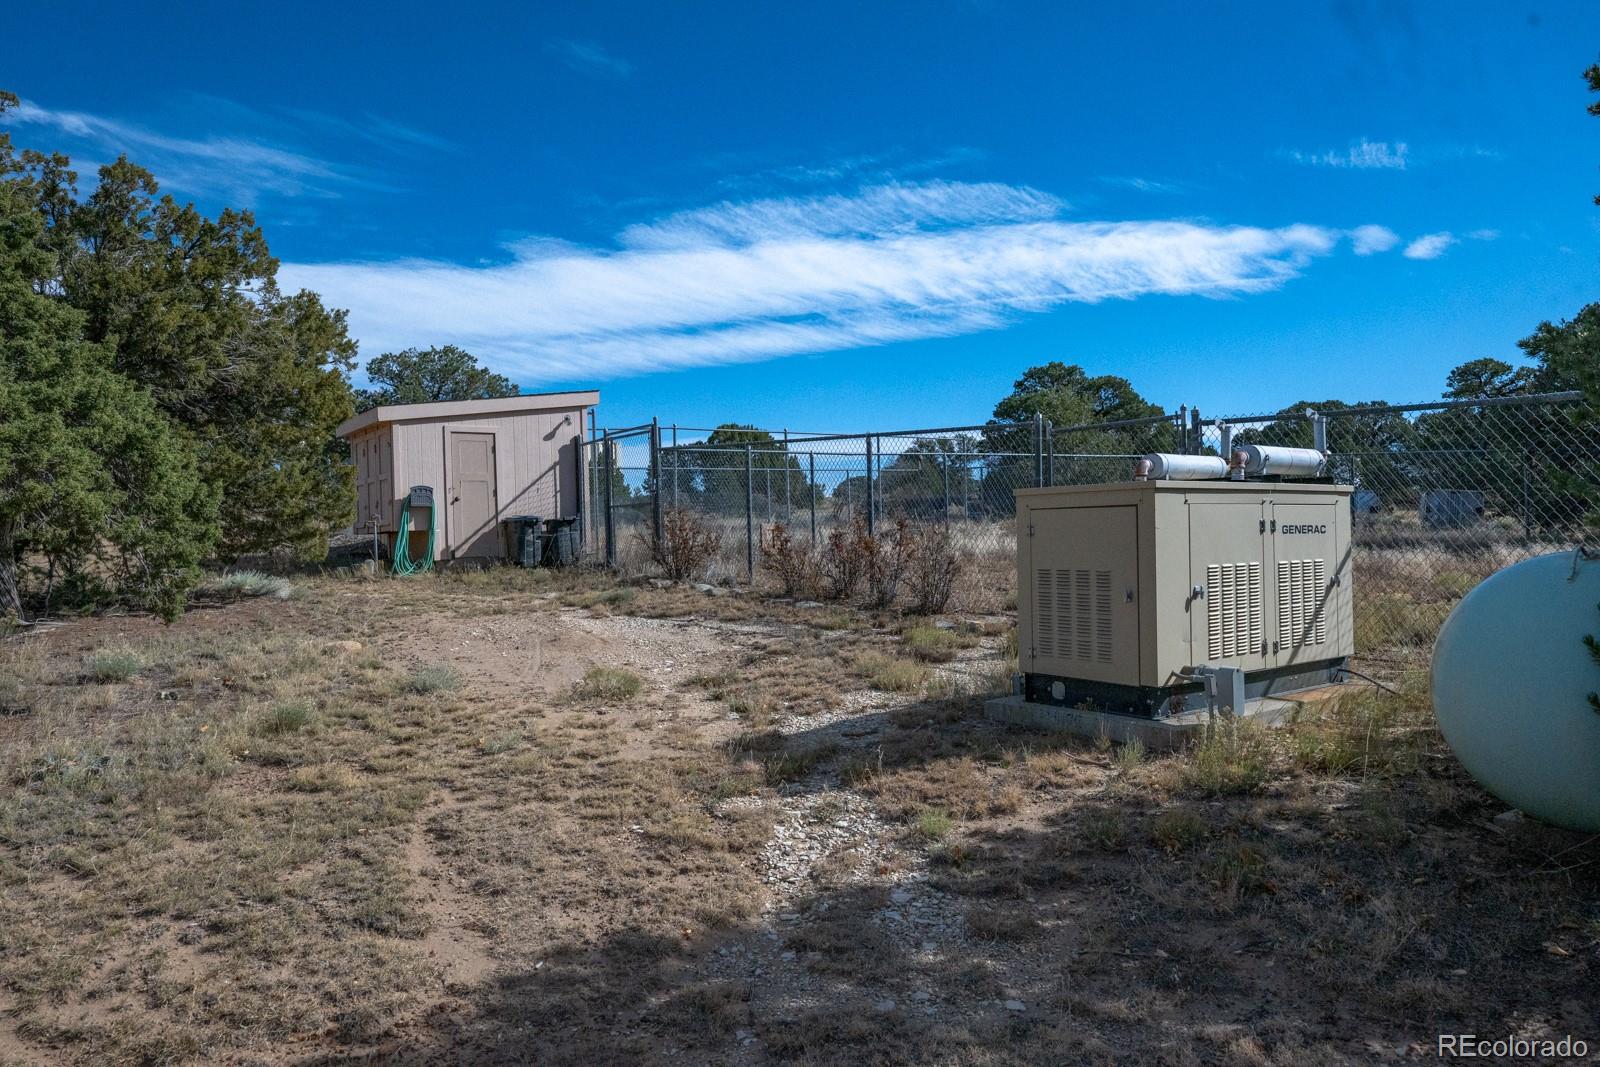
(1073, 613)
(1301, 618)
(1235, 617)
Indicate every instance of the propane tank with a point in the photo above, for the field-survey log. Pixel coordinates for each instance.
(1183, 468)
(1511, 685)
(1286, 462)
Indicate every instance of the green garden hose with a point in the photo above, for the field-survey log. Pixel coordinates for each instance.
(403, 563)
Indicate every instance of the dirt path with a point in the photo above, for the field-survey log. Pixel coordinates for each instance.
(459, 941)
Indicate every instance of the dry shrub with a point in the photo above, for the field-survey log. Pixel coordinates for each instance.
(790, 560)
(932, 569)
(887, 562)
(847, 558)
(688, 543)
(921, 561)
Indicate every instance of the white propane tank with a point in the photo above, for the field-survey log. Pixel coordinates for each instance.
(1287, 462)
(1186, 468)
(1511, 685)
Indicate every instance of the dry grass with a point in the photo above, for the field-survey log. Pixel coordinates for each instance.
(608, 684)
(111, 665)
(892, 674)
(931, 644)
(247, 845)
(438, 678)
(239, 584)
(217, 856)
(156, 822)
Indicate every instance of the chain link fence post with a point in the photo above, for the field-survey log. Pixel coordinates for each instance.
(944, 476)
(580, 486)
(1038, 450)
(605, 498)
(655, 481)
(811, 494)
(1049, 453)
(749, 513)
(872, 493)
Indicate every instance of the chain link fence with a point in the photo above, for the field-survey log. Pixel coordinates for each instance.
(742, 482)
(1446, 492)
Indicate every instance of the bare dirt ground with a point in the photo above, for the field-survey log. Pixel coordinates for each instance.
(409, 822)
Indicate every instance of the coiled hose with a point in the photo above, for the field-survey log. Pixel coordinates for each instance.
(403, 563)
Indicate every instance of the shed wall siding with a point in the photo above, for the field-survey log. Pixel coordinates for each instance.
(373, 455)
(535, 456)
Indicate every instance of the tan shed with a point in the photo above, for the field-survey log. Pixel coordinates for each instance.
(484, 459)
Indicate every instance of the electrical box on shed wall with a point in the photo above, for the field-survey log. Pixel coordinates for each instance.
(1122, 587)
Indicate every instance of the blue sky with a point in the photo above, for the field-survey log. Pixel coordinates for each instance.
(832, 217)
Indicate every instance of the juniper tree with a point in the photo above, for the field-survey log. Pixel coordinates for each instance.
(254, 379)
(422, 375)
(93, 480)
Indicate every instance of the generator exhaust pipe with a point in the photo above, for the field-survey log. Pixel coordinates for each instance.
(1237, 463)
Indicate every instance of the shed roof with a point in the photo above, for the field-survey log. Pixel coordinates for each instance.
(469, 409)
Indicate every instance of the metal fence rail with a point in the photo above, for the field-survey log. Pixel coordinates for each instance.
(1446, 491)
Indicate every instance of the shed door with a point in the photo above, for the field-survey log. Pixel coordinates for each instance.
(473, 531)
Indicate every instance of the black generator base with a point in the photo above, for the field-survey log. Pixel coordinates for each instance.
(1161, 701)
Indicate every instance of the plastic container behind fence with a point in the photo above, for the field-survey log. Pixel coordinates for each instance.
(560, 542)
(521, 533)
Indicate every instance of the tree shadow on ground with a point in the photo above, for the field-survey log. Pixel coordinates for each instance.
(1116, 927)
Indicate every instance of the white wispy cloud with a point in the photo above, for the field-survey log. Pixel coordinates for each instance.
(586, 57)
(224, 164)
(875, 211)
(756, 280)
(1362, 154)
(374, 129)
(1366, 240)
(1145, 185)
(1429, 246)
(240, 168)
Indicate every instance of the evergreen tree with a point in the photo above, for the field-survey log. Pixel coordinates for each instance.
(1071, 401)
(254, 380)
(95, 486)
(424, 375)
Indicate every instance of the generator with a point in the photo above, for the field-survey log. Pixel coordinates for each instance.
(1136, 597)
